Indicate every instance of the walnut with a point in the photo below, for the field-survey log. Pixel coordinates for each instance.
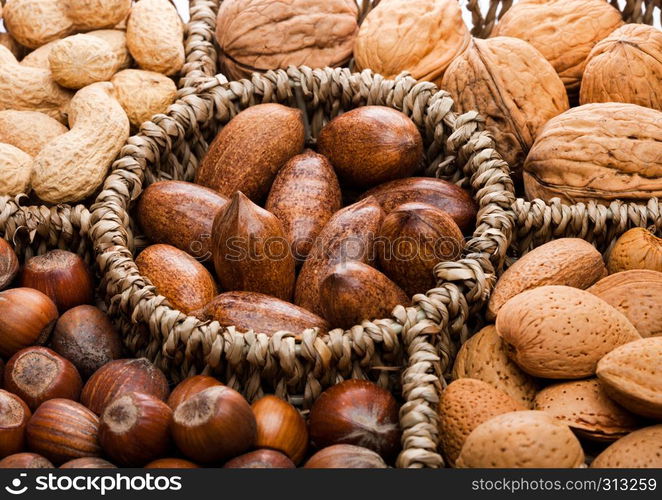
(259, 35)
(625, 67)
(418, 36)
(513, 86)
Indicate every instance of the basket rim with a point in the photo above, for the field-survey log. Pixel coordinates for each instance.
(417, 327)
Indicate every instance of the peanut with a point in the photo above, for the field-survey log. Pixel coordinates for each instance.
(143, 94)
(28, 130)
(72, 166)
(38, 58)
(15, 170)
(154, 34)
(8, 41)
(32, 89)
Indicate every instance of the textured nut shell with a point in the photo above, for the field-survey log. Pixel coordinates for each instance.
(249, 151)
(418, 36)
(448, 197)
(567, 261)
(80, 60)
(154, 35)
(353, 292)
(484, 357)
(513, 86)
(262, 34)
(564, 31)
(177, 276)
(586, 409)
(31, 89)
(640, 449)
(625, 67)
(72, 166)
(464, 405)
(14, 47)
(15, 170)
(304, 196)
(638, 295)
(637, 248)
(260, 313)
(349, 235)
(415, 237)
(598, 152)
(28, 130)
(38, 58)
(244, 255)
(561, 332)
(180, 214)
(521, 439)
(143, 94)
(34, 22)
(632, 375)
(96, 14)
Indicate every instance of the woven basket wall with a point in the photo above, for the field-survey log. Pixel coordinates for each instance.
(396, 352)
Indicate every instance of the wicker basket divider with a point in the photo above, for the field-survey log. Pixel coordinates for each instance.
(406, 352)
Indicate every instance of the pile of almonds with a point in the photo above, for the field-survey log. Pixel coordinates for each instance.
(290, 245)
(572, 363)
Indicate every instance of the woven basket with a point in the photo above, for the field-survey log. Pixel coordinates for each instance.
(396, 352)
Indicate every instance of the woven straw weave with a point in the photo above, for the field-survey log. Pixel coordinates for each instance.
(411, 349)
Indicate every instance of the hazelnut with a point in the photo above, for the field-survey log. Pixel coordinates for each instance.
(8, 264)
(14, 416)
(345, 456)
(280, 427)
(261, 459)
(190, 387)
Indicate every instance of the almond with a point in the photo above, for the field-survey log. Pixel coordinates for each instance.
(521, 439)
(177, 276)
(636, 294)
(566, 261)
(484, 357)
(586, 409)
(632, 375)
(464, 405)
(561, 332)
(638, 450)
(637, 248)
(348, 236)
(249, 151)
(260, 313)
(250, 250)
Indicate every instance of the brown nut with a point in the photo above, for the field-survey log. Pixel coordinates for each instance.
(444, 195)
(25, 461)
(177, 276)
(38, 374)
(14, 416)
(280, 427)
(214, 425)
(88, 463)
(190, 387)
(630, 375)
(62, 430)
(356, 412)
(371, 145)
(353, 292)
(27, 318)
(637, 248)
(304, 196)
(180, 214)
(636, 294)
(119, 377)
(584, 407)
(261, 459)
(250, 250)
(249, 151)
(566, 261)
(349, 235)
(639, 449)
(345, 456)
(134, 429)
(8, 264)
(61, 275)
(464, 405)
(484, 357)
(85, 336)
(414, 238)
(28, 130)
(171, 463)
(260, 313)
(561, 332)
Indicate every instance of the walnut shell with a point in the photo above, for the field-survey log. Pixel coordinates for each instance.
(513, 86)
(418, 36)
(625, 67)
(258, 35)
(564, 31)
(599, 152)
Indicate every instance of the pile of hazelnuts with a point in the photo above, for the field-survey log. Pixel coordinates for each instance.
(70, 400)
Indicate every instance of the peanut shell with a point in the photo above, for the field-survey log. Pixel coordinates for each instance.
(28, 130)
(15, 170)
